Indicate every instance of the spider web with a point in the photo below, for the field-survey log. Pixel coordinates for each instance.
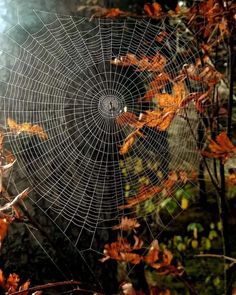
(58, 74)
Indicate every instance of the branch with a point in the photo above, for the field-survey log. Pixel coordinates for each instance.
(52, 285)
(14, 201)
(217, 256)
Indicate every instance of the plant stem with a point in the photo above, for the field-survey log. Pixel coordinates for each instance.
(54, 285)
(217, 256)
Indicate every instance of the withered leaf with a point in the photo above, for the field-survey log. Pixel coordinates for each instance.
(4, 225)
(126, 118)
(145, 193)
(222, 148)
(121, 250)
(129, 141)
(27, 128)
(155, 63)
(127, 224)
(152, 10)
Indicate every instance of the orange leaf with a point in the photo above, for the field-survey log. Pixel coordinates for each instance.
(113, 12)
(207, 74)
(145, 193)
(26, 127)
(131, 258)
(2, 279)
(155, 63)
(121, 250)
(160, 81)
(222, 148)
(12, 283)
(25, 286)
(153, 253)
(172, 102)
(129, 141)
(4, 224)
(128, 60)
(161, 36)
(152, 10)
(127, 224)
(126, 118)
(138, 243)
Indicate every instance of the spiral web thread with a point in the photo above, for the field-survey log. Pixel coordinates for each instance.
(58, 74)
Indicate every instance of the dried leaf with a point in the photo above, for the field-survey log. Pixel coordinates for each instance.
(145, 193)
(153, 10)
(113, 12)
(121, 250)
(131, 258)
(129, 141)
(127, 224)
(126, 118)
(12, 283)
(25, 286)
(138, 243)
(4, 225)
(2, 278)
(27, 128)
(222, 148)
(153, 64)
(207, 74)
(161, 36)
(153, 253)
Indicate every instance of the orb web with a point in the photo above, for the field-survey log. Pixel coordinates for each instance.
(59, 75)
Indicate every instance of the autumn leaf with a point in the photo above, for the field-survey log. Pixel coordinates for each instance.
(161, 36)
(152, 10)
(183, 176)
(169, 105)
(126, 118)
(128, 60)
(12, 283)
(153, 253)
(170, 182)
(131, 257)
(160, 81)
(222, 148)
(200, 99)
(127, 224)
(231, 179)
(2, 279)
(25, 287)
(206, 74)
(156, 119)
(145, 193)
(113, 12)
(27, 128)
(155, 63)
(129, 141)
(4, 225)
(121, 250)
(156, 85)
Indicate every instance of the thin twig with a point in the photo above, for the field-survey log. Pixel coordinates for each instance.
(217, 256)
(48, 286)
